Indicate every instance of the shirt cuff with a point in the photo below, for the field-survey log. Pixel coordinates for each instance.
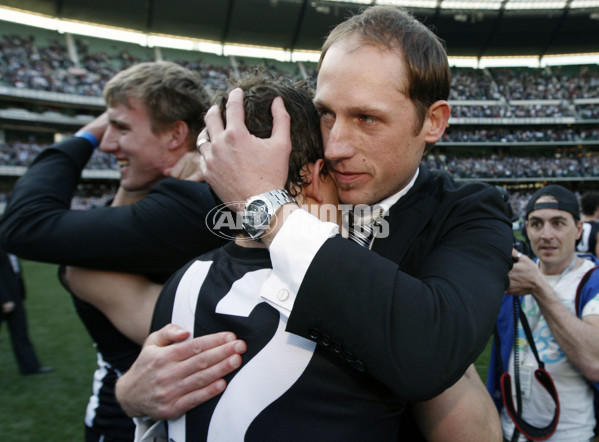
(88, 136)
(291, 253)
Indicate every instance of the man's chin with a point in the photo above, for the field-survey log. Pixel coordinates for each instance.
(354, 196)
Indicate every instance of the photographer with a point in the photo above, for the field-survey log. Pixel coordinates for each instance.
(564, 332)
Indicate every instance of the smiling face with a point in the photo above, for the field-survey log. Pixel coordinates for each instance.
(373, 141)
(141, 154)
(553, 234)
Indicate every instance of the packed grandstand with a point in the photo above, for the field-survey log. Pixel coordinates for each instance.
(518, 127)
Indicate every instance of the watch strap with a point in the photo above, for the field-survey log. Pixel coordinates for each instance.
(278, 198)
(274, 199)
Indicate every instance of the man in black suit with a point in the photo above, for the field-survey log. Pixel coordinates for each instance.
(12, 310)
(154, 113)
(128, 301)
(434, 286)
(419, 311)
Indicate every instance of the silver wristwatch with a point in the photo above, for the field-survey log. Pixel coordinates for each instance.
(259, 211)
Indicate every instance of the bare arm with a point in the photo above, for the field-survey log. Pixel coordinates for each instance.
(187, 168)
(127, 300)
(578, 338)
(124, 197)
(464, 412)
(168, 380)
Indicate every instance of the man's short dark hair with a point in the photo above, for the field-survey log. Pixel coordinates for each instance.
(395, 29)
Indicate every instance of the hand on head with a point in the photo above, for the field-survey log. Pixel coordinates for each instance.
(98, 126)
(238, 164)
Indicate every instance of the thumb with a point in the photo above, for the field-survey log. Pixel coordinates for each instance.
(281, 122)
(167, 335)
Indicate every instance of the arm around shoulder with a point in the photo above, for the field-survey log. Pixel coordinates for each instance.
(434, 296)
(463, 412)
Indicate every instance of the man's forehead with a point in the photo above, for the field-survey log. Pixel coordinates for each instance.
(549, 214)
(125, 111)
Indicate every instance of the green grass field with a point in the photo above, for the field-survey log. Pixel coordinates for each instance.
(48, 407)
(51, 407)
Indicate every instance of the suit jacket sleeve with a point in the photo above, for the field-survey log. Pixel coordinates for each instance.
(154, 236)
(418, 315)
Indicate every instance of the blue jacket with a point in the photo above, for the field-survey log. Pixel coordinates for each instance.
(504, 336)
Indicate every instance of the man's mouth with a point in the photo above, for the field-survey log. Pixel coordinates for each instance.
(347, 178)
(548, 248)
(122, 163)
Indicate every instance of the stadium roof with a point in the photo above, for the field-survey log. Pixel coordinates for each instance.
(479, 28)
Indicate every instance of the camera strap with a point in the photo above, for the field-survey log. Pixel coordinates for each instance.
(542, 376)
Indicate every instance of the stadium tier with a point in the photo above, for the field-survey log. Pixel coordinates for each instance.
(517, 126)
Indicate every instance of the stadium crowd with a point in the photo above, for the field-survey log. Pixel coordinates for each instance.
(515, 167)
(25, 64)
(520, 135)
(21, 154)
(461, 167)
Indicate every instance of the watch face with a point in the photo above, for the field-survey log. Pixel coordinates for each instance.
(256, 215)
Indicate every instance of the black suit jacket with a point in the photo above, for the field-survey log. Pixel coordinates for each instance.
(154, 237)
(417, 312)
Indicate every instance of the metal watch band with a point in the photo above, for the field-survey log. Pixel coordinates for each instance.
(281, 197)
(274, 200)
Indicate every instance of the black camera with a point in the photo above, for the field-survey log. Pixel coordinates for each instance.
(517, 244)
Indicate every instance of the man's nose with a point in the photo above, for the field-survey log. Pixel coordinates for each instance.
(338, 143)
(546, 231)
(109, 141)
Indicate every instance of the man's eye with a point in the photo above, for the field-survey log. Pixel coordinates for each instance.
(368, 118)
(325, 114)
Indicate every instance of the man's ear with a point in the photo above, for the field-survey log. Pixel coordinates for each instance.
(579, 226)
(437, 118)
(312, 190)
(179, 133)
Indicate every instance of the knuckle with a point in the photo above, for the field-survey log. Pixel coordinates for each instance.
(196, 346)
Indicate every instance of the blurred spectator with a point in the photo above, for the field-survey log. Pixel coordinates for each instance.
(12, 311)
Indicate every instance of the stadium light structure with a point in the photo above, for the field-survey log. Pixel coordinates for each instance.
(477, 4)
(175, 42)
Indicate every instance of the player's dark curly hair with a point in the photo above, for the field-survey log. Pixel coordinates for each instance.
(260, 88)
